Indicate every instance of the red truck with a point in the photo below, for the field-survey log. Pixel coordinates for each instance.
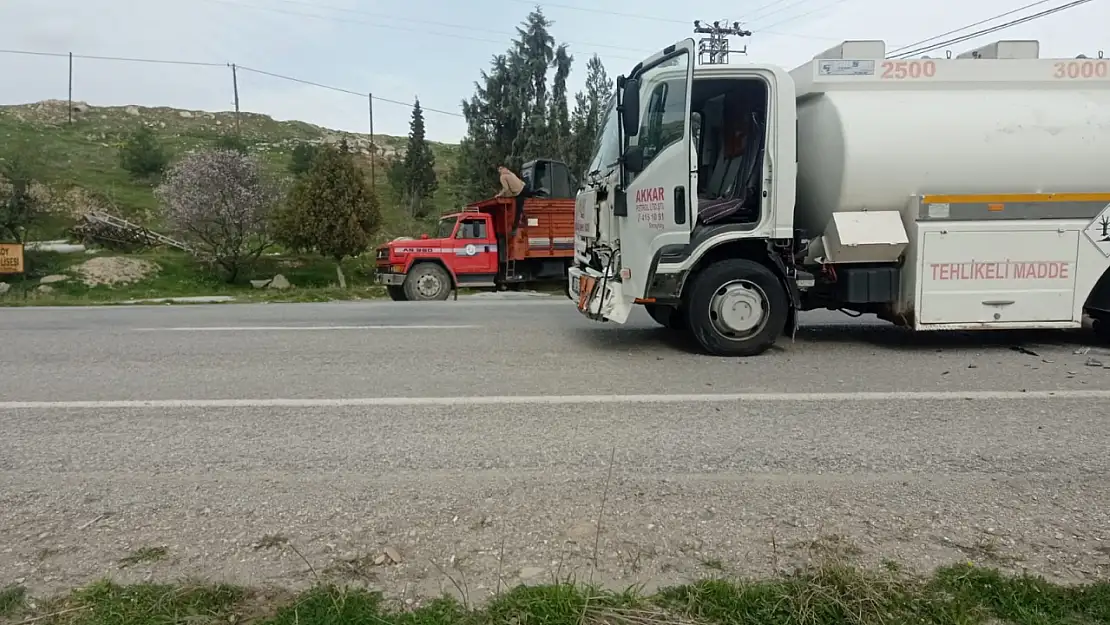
(472, 248)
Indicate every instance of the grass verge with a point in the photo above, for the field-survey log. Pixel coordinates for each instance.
(179, 275)
(960, 595)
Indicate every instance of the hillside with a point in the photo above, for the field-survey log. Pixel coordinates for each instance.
(82, 165)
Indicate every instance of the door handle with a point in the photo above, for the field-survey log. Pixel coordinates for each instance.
(680, 205)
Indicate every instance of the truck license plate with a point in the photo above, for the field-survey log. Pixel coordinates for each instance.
(585, 291)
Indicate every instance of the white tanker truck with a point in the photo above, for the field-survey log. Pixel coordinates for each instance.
(961, 193)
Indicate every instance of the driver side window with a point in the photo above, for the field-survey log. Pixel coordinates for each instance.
(472, 229)
(663, 122)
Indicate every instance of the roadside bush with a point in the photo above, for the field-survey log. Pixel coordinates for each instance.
(331, 210)
(20, 168)
(232, 142)
(142, 155)
(301, 162)
(221, 202)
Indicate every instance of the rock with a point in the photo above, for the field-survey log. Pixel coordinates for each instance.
(261, 284)
(132, 110)
(44, 289)
(530, 572)
(279, 282)
(380, 560)
(113, 270)
(4, 287)
(185, 114)
(393, 555)
(53, 279)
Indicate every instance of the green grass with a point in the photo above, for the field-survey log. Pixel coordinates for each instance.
(960, 595)
(144, 555)
(11, 600)
(84, 156)
(180, 275)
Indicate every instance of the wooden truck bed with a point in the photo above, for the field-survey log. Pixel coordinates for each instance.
(546, 232)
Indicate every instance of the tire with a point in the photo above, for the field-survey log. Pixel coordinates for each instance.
(669, 317)
(427, 282)
(1101, 327)
(396, 293)
(737, 286)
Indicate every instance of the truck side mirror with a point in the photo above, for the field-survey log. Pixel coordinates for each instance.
(634, 159)
(630, 107)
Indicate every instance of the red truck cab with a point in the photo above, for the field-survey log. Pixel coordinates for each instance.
(472, 248)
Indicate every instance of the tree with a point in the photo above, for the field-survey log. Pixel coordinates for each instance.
(331, 210)
(506, 117)
(142, 154)
(302, 156)
(20, 168)
(586, 121)
(221, 201)
(413, 177)
(513, 116)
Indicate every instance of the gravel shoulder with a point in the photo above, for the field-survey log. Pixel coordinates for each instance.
(254, 496)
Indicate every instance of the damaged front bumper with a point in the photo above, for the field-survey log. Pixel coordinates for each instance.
(596, 297)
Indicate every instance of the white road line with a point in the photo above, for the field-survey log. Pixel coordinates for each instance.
(557, 400)
(302, 328)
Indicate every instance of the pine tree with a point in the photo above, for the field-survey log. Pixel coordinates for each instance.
(514, 116)
(413, 177)
(586, 122)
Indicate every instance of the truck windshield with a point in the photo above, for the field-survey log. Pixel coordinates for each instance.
(606, 146)
(446, 227)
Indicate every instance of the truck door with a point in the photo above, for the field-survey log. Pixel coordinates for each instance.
(475, 250)
(659, 189)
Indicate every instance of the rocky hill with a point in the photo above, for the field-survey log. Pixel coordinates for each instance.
(82, 164)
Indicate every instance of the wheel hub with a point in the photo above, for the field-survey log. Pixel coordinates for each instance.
(428, 285)
(739, 308)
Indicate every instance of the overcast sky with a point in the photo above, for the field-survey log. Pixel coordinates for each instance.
(433, 49)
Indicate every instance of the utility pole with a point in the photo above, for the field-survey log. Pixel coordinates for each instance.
(70, 113)
(713, 50)
(373, 147)
(235, 90)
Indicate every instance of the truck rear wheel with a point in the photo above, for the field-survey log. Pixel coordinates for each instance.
(737, 308)
(396, 293)
(669, 317)
(427, 282)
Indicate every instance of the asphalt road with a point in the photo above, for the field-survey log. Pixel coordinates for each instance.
(485, 436)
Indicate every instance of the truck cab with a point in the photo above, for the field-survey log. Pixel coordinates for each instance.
(686, 158)
(473, 247)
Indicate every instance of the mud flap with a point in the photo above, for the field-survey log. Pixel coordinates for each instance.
(791, 289)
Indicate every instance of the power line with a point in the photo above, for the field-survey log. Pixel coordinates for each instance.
(780, 9)
(424, 31)
(125, 59)
(113, 58)
(992, 29)
(803, 15)
(655, 18)
(342, 90)
(962, 28)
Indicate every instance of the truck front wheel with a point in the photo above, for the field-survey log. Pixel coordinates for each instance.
(396, 293)
(427, 282)
(737, 308)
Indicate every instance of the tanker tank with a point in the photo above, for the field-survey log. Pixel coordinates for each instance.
(872, 132)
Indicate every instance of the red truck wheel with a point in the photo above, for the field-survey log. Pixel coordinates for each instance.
(396, 293)
(427, 282)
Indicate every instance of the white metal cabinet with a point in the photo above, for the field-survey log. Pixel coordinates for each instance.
(997, 277)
